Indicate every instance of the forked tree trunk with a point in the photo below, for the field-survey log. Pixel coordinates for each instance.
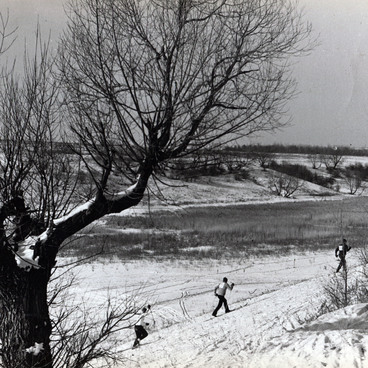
(24, 322)
(25, 326)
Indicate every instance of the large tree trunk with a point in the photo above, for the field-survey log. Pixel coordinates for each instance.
(25, 326)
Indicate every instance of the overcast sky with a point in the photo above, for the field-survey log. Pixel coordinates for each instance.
(332, 105)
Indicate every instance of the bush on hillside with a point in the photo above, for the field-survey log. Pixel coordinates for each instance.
(302, 172)
(358, 169)
(284, 185)
(242, 175)
(347, 287)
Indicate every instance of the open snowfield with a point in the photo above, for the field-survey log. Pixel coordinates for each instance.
(272, 303)
(271, 297)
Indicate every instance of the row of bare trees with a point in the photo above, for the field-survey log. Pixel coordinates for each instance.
(286, 180)
(330, 161)
(134, 84)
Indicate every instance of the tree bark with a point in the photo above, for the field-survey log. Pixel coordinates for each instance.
(25, 322)
(25, 326)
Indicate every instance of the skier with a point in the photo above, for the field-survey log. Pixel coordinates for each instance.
(220, 292)
(139, 327)
(340, 252)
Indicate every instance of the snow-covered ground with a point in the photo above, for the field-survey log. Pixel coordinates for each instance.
(224, 190)
(272, 302)
(271, 298)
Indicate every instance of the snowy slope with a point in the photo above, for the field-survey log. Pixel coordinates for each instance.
(334, 340)
(271, 299)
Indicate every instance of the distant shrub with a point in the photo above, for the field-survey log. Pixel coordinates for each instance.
(302, 172)
(284, 185)
(348, 287)
(242, 175)
(336, 173)
(197, 166)
(264, 159)
(354, 181)
(358, 169)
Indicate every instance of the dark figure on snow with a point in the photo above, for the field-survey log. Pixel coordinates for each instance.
(139, 327)
(340, 252)
(220, 292)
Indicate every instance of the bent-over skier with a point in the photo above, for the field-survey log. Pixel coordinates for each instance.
(140, 325)
(220, 292)
(340, 252)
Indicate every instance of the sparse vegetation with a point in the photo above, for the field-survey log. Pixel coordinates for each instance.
(359, 169)
(302, 172)
(354, 181)
(248, 230)
(285, 185)
(264, 159)
(333, 160)
(348, 287)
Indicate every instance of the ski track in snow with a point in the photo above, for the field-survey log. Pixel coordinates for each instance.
(270, 298)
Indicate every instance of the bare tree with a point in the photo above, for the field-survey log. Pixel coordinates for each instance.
(265, 159)
(349, 287)
(333, 160)
(354, 180)
(235, 163)
(143, 82)
(36, 185)
(338, 292)
(81, 337)
(7, 36)
(315, 160)
(285, 185)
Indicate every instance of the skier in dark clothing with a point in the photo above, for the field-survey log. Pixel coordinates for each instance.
(139, 327)
(220, 292)
(340, 252)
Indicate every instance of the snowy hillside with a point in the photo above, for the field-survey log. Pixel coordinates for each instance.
(256, 188)
(271, 299)
(273, 302)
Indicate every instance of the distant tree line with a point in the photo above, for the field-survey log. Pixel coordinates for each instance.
(242, 151)
(299, 149)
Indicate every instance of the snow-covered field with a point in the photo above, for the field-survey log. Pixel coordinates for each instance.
(272, 302)
(224, 190)
(271, 298)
